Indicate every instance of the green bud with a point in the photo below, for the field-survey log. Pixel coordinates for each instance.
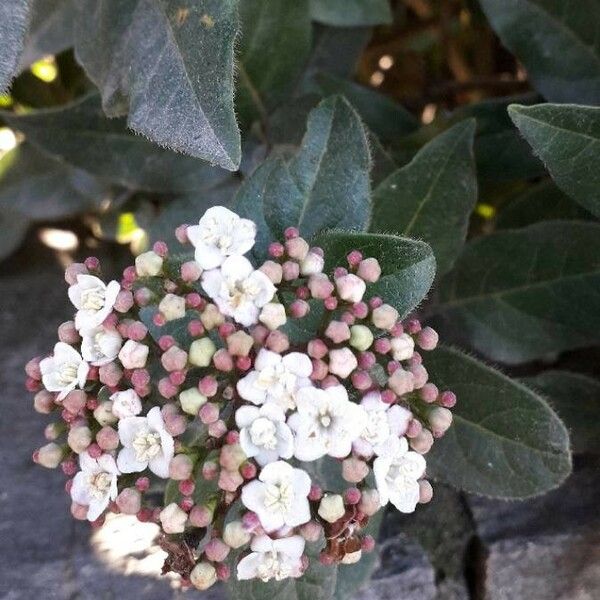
(191, 400)
(361, 337)
(201, 352)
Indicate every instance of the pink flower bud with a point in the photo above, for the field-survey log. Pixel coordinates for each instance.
(414, 428)
(342, 362)
(360, 310)
(299, 309)
(448, 399)
(231, 457)
(277, 341)
(195, 300)
(317, 348)
(420, 374)
(129, 501)
(320, 370)
(248, 470)
(209, 413)
(429, 393)
(181, 234)
(354, 258)
(222, 360)
(67, 333)
(166, 388)
(369, 502)
(440, 420)
(427, 338)
(180, 467)
(137, 331)
(382, 345)
(73, 270)
(133, 355)
(290, 270)
(48, 456)
(107, 439)
(361, 380)
(190, 271)
(75, 401)
(276, 250)
(235, 534)
(174, 359)
(366, 360)
(425, 491)
(208, 386)
(239, 343)
(402, 382)
(311, 531)
(124, 301)
(110, 374)
(320, 286)
(422, 443)
(354, 470)
(329, 381)
(175, 424)
(230, 481)
(173, 519)
(338, 332)
(369, 270)
(297, 248)
(203, 576)
(352, 496)
(397, 330)
(313, 263)
(216, 550)
(291, 232)
(211, 317)
(201, 516)
(384, 317)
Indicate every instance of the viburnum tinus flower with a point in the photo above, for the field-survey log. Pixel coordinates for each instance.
(208, 377)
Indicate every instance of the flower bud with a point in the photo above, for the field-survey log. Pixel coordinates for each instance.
(190, 271)
(180, 467)
(422, 442)
(403, 347)
(291, 270)
(230, 481)
(73, 270)
(173, 519)
(427, 338)
(425, 491)
(297, 248)
(191, 400)
(211, 317)
(107, 439)
(350, 288)
(272, 270)
(129, 501)
(354, 470)
(172, 307)
(216, 550)
(361, 337)
(369, 502)
(235, 534)
(75, 401)
(320, 286)
(201, 516)
(126, 404)
(49, 456)
(222, 360)
(384, 316)
(133, 355)
(369, 270)
(311, 531)
(352, 557)
(79, 438)
(174, 359)
(239, 343)
(440, 420)
(231, 457)
(67, 333)
(277, 341)
(201, 352)
(203, 576)
(313, 263)
(110, 374)
(273, 315)
(342, 362)
(331, 508)
(401, 382)
(337, 332)
(148, 264)
(103, 413)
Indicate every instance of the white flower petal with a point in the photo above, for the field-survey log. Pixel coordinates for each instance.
(127, 462)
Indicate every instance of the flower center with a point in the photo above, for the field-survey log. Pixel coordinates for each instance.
(263, 433)
(325, 417)
(99, 484)
(223, 241)
(273, 567)
(67, 373)
(93, 298)
(146, 445)
(278, 497)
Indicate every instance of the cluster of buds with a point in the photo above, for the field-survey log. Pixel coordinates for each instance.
(187, 378)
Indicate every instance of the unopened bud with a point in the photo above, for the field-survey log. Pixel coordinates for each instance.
(331, 508)
(235, 534)
(172, 307)
(173, 519)
(148, 264)
(201, 352)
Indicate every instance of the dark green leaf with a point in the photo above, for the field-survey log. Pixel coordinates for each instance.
(51, 29)
(432, 197)
(351, 13)
(14, 21)
(567, 139)
(178, 328)
(327, 183)
(540, 202)
(505, 440)
(169, 64)
(40, 187)
(576, 398)
(275, 44)
(524, 293)
(386, 118)
(81, 135)
(557, 41)
(408, 266)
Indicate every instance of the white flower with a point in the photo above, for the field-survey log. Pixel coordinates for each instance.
(279, 496)
(126, 404)
(238, 290)
(264, 434)
(397, 475)
(133, 355)
(99, 345)
(146, 444)
(64, 370)
(326, 423)
(382, 423)
(220, 233)
(272, 559)
(276, 378)
(96, 484)
(93, 300)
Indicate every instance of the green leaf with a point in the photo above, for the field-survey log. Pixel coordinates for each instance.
(40, 187)
(178, 328)
(540, 202)
(351, 13)
(522, 294)
(576, 398)
(50, 31)
(13, 227)
(433, 196)
(386, 118)
(81, 135)
(14, 21)
(505, 440)
(275, 45)
(407, 266)
(567, 139)
(169, 64)
(327, 183)
(558, 42)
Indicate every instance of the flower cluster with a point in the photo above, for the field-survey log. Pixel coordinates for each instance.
(189, 378)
